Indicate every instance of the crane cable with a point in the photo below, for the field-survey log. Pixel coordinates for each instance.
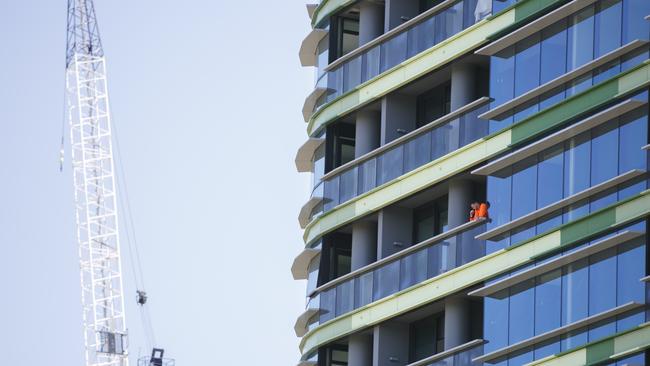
(134, 253)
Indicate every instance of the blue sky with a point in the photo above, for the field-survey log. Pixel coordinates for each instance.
(206, 97)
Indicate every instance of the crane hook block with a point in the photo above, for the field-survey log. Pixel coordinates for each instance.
(141, 297)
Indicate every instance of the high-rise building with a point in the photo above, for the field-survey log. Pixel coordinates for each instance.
(426, 112)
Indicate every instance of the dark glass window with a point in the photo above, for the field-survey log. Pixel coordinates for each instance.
(633, 133)
(602, 287)
(604, 153)
(581, 38)
(424, 222)
(550, 169)
(433, 104)
(502, 82)
(424, 336)
(527, 64)
(634, 26)
(608, 26)
(524, 181)
(554, 49)
(575, 305)
(521, 321)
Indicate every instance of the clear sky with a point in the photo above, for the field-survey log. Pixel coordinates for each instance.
(206, 96)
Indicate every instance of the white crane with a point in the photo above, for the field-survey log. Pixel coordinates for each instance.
(95, 190)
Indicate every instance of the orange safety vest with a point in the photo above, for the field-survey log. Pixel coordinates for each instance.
(483, 211)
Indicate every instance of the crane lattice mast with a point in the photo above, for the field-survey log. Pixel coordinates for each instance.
(95, 190)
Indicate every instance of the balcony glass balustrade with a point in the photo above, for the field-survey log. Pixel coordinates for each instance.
(425, 260)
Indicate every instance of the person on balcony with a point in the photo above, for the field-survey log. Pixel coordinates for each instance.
(482, 212)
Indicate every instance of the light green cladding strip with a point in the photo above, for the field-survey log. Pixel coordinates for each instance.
(606, 350)
(477, 271)
(472, 154)
(425, 62)
(327, 8)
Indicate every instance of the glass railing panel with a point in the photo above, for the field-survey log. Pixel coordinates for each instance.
(417, 152)
(331, 193)
(363, 286)
(469, 249)
(367, 176)
(389, 164)
(393, 52)
(401, 273)
(352, 74)
(371, 62)
(413, 269)
(348, 185)
(344, 297)
(419, 38)
(327, 305)
(386, 280)
(409, 155)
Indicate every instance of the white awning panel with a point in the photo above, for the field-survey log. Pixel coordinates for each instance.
(305, 155)
(309, 47)
(310, 102)
(300, 267)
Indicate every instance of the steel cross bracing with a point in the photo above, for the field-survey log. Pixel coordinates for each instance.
(94, 191)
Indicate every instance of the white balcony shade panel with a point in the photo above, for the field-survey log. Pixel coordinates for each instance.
(300, 267)
(300, 327)
(309, 47)
(310, 102)
(305, 155)
(311, 9)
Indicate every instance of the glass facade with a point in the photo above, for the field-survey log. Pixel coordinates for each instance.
(591, 158)
(566, 295)
(565, 46)
(553, 299)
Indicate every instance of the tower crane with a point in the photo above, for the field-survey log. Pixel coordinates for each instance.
(95, 193)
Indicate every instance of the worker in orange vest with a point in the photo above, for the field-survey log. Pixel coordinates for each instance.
(483, 211)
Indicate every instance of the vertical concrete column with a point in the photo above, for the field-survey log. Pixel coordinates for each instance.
(463, 85)
(461, 195)
(364, 244)
(371, 21)
(360, 350)
(456, 322)
(390, 344)
(367, 132)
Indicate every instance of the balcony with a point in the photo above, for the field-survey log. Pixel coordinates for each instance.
(405, 154)
(397, 272)
(401, 43)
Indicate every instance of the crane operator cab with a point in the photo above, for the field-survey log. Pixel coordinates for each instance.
(141, 297)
